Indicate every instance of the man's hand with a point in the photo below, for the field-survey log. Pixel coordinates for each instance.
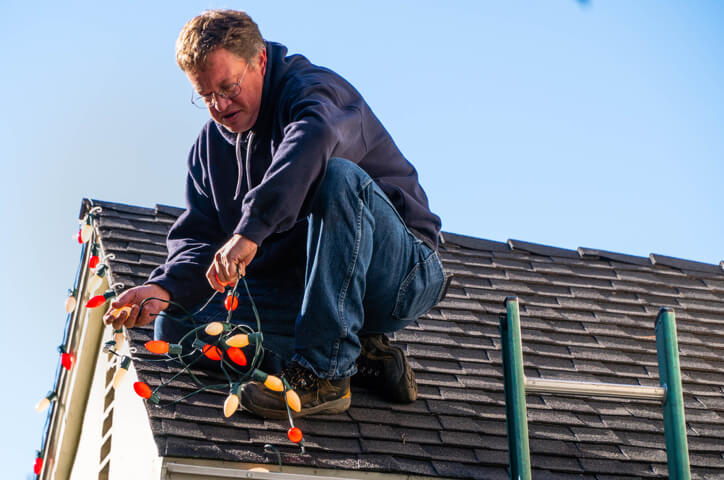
(128, 317)
(238, 252)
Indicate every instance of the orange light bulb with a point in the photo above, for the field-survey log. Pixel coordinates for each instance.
(142, 389)
(159, 347)
(212, 352)
(293, 401)
(237, 356)
(295, 435)
(231, 302)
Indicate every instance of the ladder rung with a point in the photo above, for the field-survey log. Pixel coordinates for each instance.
(615, 390)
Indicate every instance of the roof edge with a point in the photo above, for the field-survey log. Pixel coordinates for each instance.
(541, 249)
(474, 243)
(658, 259)
(585, 252)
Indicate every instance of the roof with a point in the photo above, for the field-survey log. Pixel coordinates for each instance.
(586, 314)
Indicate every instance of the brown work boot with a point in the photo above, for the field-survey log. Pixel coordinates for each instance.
(384, 369)
(316, 395)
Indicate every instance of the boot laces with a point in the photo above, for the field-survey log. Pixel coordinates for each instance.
(300, 377)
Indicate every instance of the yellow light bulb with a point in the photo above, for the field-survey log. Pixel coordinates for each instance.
(95, 283)
(121, 372)
(45, 403)
(240, 340)
(274, 383)
(118, 377)
(70, 304)
(117, 311)
(293, 401)
(85, 232)
(119, 338)
(42, 405)
(214, 328)
(231, 405)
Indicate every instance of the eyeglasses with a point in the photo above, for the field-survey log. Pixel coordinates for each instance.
(212, 99)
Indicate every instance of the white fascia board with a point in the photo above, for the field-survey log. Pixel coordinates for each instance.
(197, 469)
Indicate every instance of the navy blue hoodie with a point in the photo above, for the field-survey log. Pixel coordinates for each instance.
(261, 183)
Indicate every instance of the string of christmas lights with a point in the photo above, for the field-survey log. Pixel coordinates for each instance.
(86, 235)
(224, 346)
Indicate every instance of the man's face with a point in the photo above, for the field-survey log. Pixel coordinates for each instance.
(222, 70)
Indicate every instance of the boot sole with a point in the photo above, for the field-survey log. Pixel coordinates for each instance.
(333, 407)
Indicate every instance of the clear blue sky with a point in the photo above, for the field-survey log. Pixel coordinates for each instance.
(597, 125)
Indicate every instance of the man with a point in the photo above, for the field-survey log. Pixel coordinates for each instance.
(296, 185)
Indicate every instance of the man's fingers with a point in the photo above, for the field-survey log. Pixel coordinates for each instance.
(213, 279)
(132, 319)
(227, 268)
(121, 316)
(220, 269)
(148, 314)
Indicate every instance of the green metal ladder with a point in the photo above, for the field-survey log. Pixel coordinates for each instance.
(516, 385)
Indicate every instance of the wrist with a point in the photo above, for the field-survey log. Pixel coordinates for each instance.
(161, 291)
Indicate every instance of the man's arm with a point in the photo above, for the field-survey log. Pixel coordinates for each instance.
(320, 124)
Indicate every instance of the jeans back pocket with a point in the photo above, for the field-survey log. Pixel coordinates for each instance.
(421, 288)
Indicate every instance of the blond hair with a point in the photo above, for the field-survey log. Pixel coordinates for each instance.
(230, 29)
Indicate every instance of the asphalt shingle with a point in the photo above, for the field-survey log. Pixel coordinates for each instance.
(585, 314)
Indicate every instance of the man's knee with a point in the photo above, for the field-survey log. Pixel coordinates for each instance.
(342, 176)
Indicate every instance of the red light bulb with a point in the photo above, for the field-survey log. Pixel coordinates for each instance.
(80, 237)
(96, 301)
(38, 467)
(295, 435)
(99, 300)
(142, 389)
(93, 261)
(159, 347)
(237, 356)
(231, 302)
(66, 359)
(212, 352)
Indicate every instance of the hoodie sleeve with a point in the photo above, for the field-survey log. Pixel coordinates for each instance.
(319, 125)
(192, 242)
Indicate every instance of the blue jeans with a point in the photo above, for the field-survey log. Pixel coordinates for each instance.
(366, 273)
